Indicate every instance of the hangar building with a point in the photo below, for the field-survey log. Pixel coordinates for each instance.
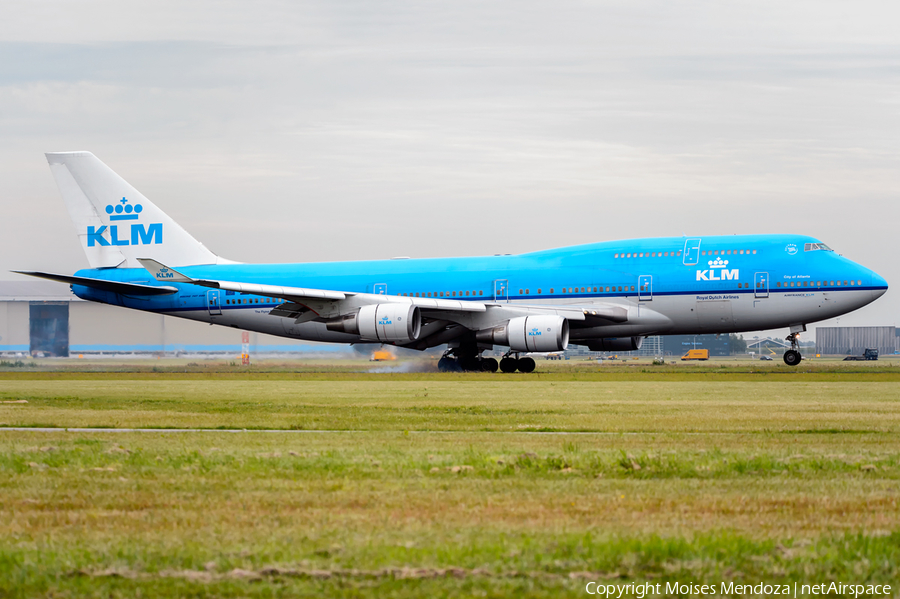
(43, 318)
(855, 340)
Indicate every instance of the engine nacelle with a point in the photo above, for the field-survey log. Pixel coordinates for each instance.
(381, 322)
(616, 344)
(543, 333)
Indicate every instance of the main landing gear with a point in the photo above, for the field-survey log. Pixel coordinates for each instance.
(452, 361)
(466, 363)
(792, 356)
(511, 364)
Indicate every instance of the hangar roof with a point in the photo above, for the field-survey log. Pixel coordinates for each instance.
(35, 291)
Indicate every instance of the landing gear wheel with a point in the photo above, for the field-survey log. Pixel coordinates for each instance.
(526, 365)
(489, 365)
(792, 357)
(470, 364)
(447, 364)
(508, 365)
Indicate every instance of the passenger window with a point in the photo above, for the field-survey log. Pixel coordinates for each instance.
(778, 284)
(754, 251)
(616, 256)
(520, 292)
(551, 290)
(539, 291)
(480, 292)
(859, 282)
(632, 287)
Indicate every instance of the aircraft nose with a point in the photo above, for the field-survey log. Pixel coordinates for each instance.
(879, 286)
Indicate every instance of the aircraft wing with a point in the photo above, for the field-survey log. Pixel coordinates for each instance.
(304, 304)
(323, 302)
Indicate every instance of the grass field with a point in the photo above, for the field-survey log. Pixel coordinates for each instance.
(446, 485)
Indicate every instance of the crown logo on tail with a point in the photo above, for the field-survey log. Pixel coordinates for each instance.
(123, 210)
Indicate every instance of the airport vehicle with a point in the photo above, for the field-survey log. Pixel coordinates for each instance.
(696, 354)
(607, 295)
(869, 354)
(382, 355)
(766, 358)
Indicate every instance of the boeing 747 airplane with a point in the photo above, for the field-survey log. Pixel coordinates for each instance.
(607, 295)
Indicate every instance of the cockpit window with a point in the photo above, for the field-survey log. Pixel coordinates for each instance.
(811, 247)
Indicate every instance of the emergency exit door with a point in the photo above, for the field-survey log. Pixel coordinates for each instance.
(761, 284)
(645, 288)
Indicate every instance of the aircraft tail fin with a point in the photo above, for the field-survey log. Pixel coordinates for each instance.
(115, 222)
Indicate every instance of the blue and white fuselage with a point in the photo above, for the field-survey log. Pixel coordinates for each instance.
(606, 295)
(762, 285)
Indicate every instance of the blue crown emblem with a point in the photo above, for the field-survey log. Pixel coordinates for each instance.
(123, 210)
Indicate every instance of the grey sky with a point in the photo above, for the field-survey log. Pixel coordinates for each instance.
(285, 131)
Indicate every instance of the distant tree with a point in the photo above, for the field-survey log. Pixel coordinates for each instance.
(737, 343)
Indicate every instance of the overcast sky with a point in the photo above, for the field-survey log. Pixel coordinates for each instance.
(292, 131)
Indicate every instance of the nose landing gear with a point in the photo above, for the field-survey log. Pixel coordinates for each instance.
(792, 356)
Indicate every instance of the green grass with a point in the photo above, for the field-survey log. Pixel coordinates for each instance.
(440, 486)
(455, 403)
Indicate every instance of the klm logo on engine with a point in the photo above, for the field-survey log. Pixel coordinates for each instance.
(133, 234)
(718, 272)
(534, 333)
(384, 321)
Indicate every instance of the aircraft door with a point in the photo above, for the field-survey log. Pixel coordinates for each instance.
(501, 290)
(212, 302)
(761, 284)
(691, 254)
(645, 288)
(379, 288)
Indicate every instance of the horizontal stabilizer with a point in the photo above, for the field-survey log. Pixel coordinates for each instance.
(102, 284)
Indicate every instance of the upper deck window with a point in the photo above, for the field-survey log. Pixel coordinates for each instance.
(811, 247)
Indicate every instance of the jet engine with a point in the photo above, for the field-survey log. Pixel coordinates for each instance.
(615, 344)
(543, 333)
(381, 322)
